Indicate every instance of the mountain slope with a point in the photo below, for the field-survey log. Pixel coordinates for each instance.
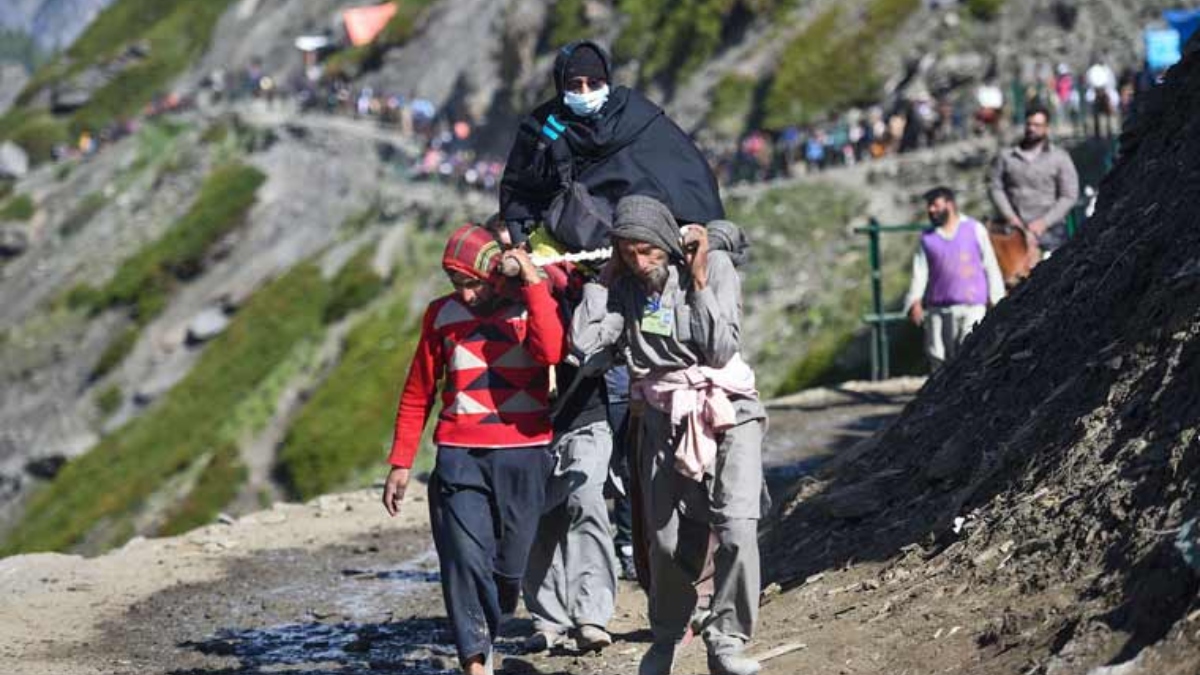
(1046, 479)
(84, 365)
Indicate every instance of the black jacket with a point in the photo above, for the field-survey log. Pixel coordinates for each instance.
(630, 147)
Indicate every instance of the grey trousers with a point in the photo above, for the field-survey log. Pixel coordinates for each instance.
(946, 328)
(681, 514)
(571, 578)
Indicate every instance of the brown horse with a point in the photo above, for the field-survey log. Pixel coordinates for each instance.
(1012, 245)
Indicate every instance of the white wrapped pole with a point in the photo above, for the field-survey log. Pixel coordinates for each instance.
(510, 267)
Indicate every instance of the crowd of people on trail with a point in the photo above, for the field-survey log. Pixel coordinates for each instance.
(89, 142)
(961, 267)
(1090, 102)
(446, 151)
(567, 372)
(1093, 100)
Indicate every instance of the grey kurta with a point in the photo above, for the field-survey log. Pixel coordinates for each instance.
(680, 514)
(707, 324)
(1033, 184)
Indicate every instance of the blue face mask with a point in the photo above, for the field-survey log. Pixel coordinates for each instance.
(586, 105)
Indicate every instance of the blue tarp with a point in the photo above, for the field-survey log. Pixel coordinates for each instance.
(1186, 21)
(1162, 48)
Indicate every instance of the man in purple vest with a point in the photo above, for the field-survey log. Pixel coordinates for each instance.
(955, 277)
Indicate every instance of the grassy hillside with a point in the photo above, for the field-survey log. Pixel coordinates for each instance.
(169, 36)
(145, 280)
(109, 484)
(670, 40)
(831, 64)
(21, 48)
(345, 426)
(178, 465)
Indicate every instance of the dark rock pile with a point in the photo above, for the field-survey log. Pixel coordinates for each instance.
(1058, 455)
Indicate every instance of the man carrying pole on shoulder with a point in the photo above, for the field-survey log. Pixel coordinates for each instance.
(675, 307)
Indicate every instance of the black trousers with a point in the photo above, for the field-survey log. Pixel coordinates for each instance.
(484, 508)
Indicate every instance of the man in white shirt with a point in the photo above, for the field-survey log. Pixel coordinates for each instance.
(955, 277)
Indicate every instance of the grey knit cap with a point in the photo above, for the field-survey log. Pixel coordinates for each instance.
(645, 219)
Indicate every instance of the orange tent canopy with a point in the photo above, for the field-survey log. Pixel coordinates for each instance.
(364, 23)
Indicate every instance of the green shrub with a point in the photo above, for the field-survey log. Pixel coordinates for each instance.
(218, 485)
(343, 431)
(568, 22)
(355, 285)
(359, 221)
(18, 208)
(84, 297)
(349, 62)
(155, 143)
(256, 410)
(985, 9)
(108, 400)
(217, 132)
(38, 135)
(119, 24)
(112, 481)
(176, 33)
(820, 358)
(732, 103)
(83, 212)
(811, 76)
(826, 67)
(145, 281)
(670, 39)
(346, 424)
(20, 47)
(115, 352)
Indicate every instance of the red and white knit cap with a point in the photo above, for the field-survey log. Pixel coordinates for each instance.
(472, 250)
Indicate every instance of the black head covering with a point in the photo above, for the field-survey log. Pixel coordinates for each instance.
(585, 62)
(585, 53)
(648, 220)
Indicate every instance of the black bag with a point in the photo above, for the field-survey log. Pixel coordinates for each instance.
(576, 218)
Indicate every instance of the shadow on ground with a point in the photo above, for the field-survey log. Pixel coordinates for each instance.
(413, 646)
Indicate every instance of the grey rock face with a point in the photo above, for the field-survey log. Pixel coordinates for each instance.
(12, 80)
(206, 325)
(14, 163)
(13, 241)
(54, 24)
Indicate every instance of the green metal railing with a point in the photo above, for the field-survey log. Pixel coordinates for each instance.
(878, 319)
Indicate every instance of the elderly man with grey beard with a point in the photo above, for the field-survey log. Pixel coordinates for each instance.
(673, 305)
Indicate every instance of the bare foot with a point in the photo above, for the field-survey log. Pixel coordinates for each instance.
(475, 666)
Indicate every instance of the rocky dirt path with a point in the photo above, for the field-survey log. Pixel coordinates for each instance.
(334, 586)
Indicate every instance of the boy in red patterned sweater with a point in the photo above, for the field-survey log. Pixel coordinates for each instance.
(490, 344)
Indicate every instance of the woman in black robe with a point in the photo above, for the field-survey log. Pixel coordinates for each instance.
(611, 139)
